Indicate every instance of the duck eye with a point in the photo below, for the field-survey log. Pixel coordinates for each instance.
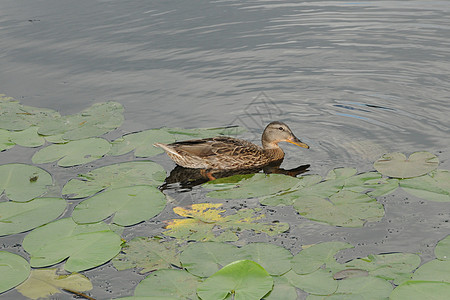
(281, 128)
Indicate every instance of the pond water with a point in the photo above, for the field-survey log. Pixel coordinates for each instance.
(353, 80)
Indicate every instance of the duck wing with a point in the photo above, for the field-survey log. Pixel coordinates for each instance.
(222, 146)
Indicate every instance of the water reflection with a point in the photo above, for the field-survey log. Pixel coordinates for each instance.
(181, 178)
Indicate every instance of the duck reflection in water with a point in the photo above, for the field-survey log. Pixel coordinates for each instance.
(187, 178)
(206, 159)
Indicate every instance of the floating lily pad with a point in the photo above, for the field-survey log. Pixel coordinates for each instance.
(115, 176)
(85, 246)
(282, 290)
(19, 217)
(398, 166)
(434, 186)
(204, 217)
(147, 254)
(226, 182)
(73, 153)
(15, 116)
(312, 185)
(168, 283)
(28, 137)
(14, 269)
(288, 197)
(96, 120)
(419, 290)
(393, 266)
(371, 183)
(45, 283)
(319, 282)
(22, 182)
(435, 270)
(129, 205)
(25, 138)
(345, 208)
(5, 140)
(256, 186)
(141, 143)
(312, 258)
(204, 259)
(243, 279)
(363, 288)
(350, 273)
(274, 259)
(442, 250)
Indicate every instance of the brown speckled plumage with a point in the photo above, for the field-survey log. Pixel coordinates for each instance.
(231, 153)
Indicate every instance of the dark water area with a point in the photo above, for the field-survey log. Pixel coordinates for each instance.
(353, 80)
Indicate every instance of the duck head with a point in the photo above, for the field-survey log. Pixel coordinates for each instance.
(277, 132)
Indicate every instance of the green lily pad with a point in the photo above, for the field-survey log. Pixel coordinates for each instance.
(345, 208)
(45, 283)
(362, 288)
(312, 258)
(22, 182)
(243, 279)
(398, 166)
(282, 290)
(19, 217)
(442, 250)
(113, 177)
(14, 269)
(168, 283)
(85, 246)
(319, 282)
(129, 205)
(226, 182)
(96, 120)
(73, 153)
(419, 290)
(350, 273)
(28, 137)
(205, 222)
(15, 116)
(289, 197)
(435, 270)
(141, 143)
(393, 266)
(256, 186)
(5, 140)
(147, 254)
(204, 259)
(337, 180)
(371, 183)
(313, 186)
(274, 259)
(434, 186)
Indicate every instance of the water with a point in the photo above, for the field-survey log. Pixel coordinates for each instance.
(352, 79)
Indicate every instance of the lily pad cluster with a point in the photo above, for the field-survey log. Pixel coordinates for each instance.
(343, 198)
(204, 222)
(75, 137)
(30, 126)
(191, 259)
(216, 270)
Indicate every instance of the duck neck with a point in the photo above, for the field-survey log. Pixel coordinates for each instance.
(273, 151)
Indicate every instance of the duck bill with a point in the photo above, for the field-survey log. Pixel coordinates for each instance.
(297, 142)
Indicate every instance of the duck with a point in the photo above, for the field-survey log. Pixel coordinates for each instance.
(228, 153)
